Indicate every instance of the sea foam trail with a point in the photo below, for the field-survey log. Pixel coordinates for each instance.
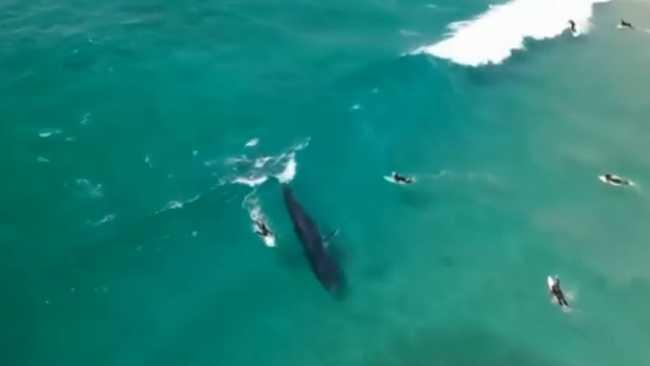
(255, 172)
(252, 205)
(175, 205)
(289, 171)
(491, 37)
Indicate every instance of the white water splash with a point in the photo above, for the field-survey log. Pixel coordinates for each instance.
(491, 37)
(255, 172)
(49, 132)
(289, 171)
(252, 142)
(42, 160)
(261, 162)
(256, 215)
(251, 181)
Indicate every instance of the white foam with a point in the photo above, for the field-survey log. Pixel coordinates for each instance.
(230, 161)
(85, 119)
(251, 181)
(255, 172)
(93, 190)
(175, 205)
(255, 213)
(289, 171)
(356, 107)
(491, 37)
(147, 160)
(302, 145)
(42, 160)
(49, 132)
(252, 142)
(193, 199)
(104, 220)
(261, 162)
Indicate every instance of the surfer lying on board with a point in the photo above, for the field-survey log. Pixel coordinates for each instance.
(556, 291)
(624, 24)
(615, 179)
(261, 228)
(402, 179)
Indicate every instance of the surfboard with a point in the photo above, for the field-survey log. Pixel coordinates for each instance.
(550, 281)
(603, 179)
(391, 179)
(269, 240)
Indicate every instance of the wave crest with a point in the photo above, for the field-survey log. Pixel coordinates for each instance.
(491, 37)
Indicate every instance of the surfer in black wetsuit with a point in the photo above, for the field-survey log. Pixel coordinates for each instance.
(402, 179)
(572, 26)
(624, 24)
(556, 291)
(261, 228)
(616, 180)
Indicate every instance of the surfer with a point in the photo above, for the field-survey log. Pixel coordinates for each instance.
(572, 26)
(402, 179)
(616, 180)
(556, 291)
(262, 229)
(624, 24)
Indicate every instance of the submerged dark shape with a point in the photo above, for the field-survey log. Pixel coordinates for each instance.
(322, 263)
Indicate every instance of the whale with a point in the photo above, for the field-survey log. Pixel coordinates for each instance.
(323, 264)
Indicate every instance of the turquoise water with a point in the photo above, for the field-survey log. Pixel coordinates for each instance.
(123, 240)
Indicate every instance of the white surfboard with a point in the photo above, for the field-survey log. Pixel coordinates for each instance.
(391, 179)
(550, 281)
(603, 179)
(269, 240)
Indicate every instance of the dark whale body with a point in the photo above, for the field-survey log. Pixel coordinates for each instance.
(322, 263)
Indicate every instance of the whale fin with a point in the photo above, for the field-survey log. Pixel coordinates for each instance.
(328, 237)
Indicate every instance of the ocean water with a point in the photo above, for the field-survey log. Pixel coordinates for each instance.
(140, 137)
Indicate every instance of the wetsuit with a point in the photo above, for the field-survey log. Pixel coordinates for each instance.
(559, 295)
(399, 178)
(572, 26)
